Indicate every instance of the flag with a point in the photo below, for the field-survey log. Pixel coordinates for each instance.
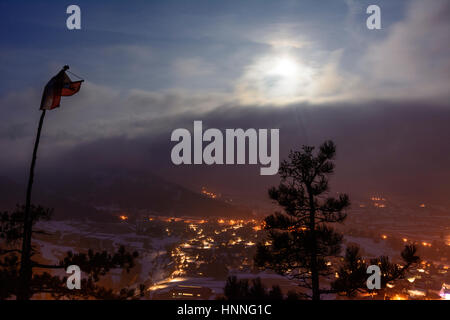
(59, 85)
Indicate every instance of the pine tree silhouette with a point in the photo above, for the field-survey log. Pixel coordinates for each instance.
(301, 238)
(352, 275)
(93, 264)
(255, 290)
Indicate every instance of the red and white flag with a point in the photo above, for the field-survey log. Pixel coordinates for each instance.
(59, 85)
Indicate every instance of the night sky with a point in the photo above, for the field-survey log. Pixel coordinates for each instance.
(311, 69)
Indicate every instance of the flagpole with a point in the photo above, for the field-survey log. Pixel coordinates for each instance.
(55, 87)
(25, 262)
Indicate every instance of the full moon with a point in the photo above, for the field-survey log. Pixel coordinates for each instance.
(284, 67)
(276, 78)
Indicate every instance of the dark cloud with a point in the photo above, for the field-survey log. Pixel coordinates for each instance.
(395, 149)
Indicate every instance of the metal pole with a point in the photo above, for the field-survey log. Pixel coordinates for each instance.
(25, 262)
